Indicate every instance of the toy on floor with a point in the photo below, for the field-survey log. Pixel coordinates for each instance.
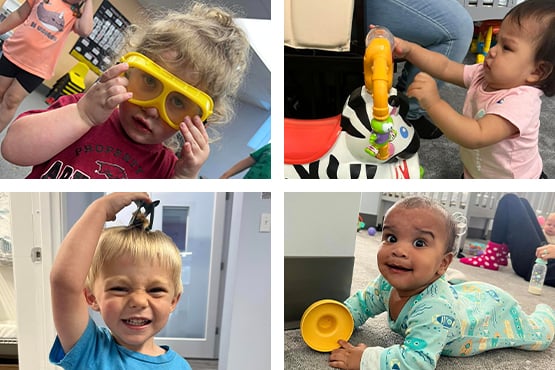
(360, 224)
(476, 248)
(324, 323)
(372, 231)
(368, 140)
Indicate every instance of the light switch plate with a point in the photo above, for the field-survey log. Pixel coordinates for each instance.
(265, 223)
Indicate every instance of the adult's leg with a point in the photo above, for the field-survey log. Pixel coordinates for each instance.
(12, 96)
(441, 26)
(516, 225)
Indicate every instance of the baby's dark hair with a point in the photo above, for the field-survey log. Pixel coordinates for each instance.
(541, 13)
(417, 201)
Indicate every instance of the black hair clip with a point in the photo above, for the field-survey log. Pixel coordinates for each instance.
(75, 8)
(140, 218)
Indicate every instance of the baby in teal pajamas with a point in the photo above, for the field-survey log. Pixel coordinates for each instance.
(434, 317)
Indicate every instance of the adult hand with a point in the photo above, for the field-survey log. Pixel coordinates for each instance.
(347, 356)
(196, 149)
(546, 252)
(104, 95)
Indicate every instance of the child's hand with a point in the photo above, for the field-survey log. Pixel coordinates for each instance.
(348, 356)
(104, 95)
(424, 88)
(196, 149)
(112, 203)
(401, 48)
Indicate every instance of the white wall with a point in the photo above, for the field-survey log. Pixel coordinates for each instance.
(320, 224)
(245, 332)
(369, 203)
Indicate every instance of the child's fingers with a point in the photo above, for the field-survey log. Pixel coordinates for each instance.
(345, 344)
(194, 132)
(113, 72)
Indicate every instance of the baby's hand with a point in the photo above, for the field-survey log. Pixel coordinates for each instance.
(348, 356)
(104, 96)
(424, 88)
(401, 48)
(195, 151)
(112, 203)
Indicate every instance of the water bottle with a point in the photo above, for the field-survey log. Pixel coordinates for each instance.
(538, 276)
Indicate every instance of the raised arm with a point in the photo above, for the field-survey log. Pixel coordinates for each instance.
(84, 25)
(35, 138)
(435, 64)
(72, 263)
(16, 18)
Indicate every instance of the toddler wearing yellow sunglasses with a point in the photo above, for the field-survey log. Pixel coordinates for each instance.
(182, 75)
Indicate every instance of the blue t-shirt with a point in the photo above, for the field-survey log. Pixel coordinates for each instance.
(97, 350)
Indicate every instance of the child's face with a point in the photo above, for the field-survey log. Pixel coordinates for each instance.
(511, 62)
(549, 226)
(135, 299)
(144, 125)
(412, 252)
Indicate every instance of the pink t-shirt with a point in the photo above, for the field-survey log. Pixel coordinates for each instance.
(517, 157)
(36, 44)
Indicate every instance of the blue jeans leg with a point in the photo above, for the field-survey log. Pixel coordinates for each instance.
(442, 26)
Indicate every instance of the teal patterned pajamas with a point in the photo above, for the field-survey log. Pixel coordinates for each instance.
(450, 320)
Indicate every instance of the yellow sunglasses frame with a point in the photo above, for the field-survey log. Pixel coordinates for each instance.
(170, 83)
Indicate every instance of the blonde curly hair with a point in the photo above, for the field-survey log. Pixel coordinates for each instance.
(206, 40)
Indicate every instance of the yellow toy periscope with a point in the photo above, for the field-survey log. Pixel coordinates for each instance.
(378, 79)
(378, 69)
(369, 139)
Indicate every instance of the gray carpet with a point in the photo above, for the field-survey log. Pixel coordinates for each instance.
(440, 157)
(375, 332)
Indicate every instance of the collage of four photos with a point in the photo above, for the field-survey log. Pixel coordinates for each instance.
(453, 268)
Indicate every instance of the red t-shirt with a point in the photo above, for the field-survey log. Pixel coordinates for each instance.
(105, 152)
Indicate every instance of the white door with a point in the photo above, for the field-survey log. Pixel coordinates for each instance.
(196, 223)
(35, 228)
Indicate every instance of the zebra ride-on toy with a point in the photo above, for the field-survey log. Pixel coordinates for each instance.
(369, 139)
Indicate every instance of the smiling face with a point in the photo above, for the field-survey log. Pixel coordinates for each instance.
(413, 253)
(135, 299)
(511, 62)
(144, 125)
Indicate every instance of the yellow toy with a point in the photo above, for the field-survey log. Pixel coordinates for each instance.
(153, 86)
(378, 79)
(486, 31)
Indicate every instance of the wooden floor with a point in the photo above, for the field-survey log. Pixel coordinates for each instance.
(203, 364)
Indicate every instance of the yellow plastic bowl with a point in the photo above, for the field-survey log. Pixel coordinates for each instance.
(325, 322)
